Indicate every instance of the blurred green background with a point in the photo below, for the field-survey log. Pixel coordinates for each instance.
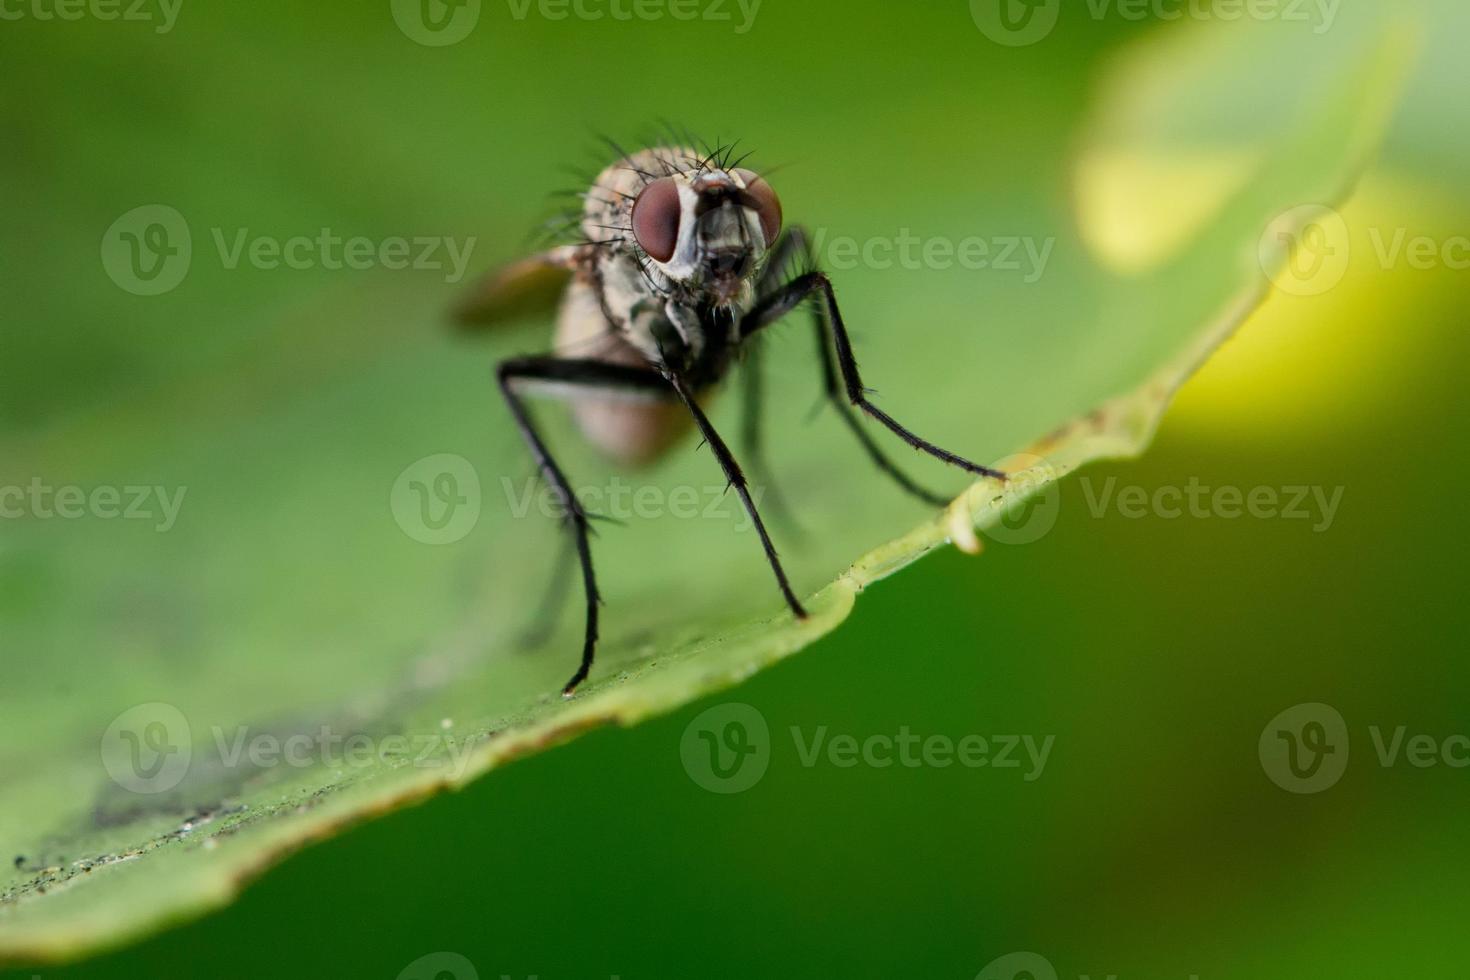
(1155, 651)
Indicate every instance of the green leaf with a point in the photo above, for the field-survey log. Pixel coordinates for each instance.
(284, 596)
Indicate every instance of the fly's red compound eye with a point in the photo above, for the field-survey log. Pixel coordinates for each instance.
(765, 202)
(656, 219)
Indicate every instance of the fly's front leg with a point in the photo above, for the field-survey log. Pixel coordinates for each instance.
(829, 329)
(752, 381)
(737, 480)
(595, 375)
(791, 247)
(752, 435)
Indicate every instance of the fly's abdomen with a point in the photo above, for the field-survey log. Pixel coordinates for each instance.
(632, 430)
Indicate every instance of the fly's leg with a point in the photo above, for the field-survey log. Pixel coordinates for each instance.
(752, 379)
(593, 374)
(793, 247)
(752, 436)
(549, 609)
(737, 480)
(777, 301)
(781, 302)
(833, 390)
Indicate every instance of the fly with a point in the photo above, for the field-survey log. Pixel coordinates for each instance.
(682, 261)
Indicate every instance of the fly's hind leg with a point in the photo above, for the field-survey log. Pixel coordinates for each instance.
(794, 249)
(593, 375)
(809, 285)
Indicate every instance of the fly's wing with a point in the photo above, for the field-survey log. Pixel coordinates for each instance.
(528, 288)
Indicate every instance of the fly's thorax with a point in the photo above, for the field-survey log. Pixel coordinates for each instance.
(667, 329)
(634, 308)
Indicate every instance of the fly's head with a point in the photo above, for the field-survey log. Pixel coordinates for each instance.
(705, 232)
